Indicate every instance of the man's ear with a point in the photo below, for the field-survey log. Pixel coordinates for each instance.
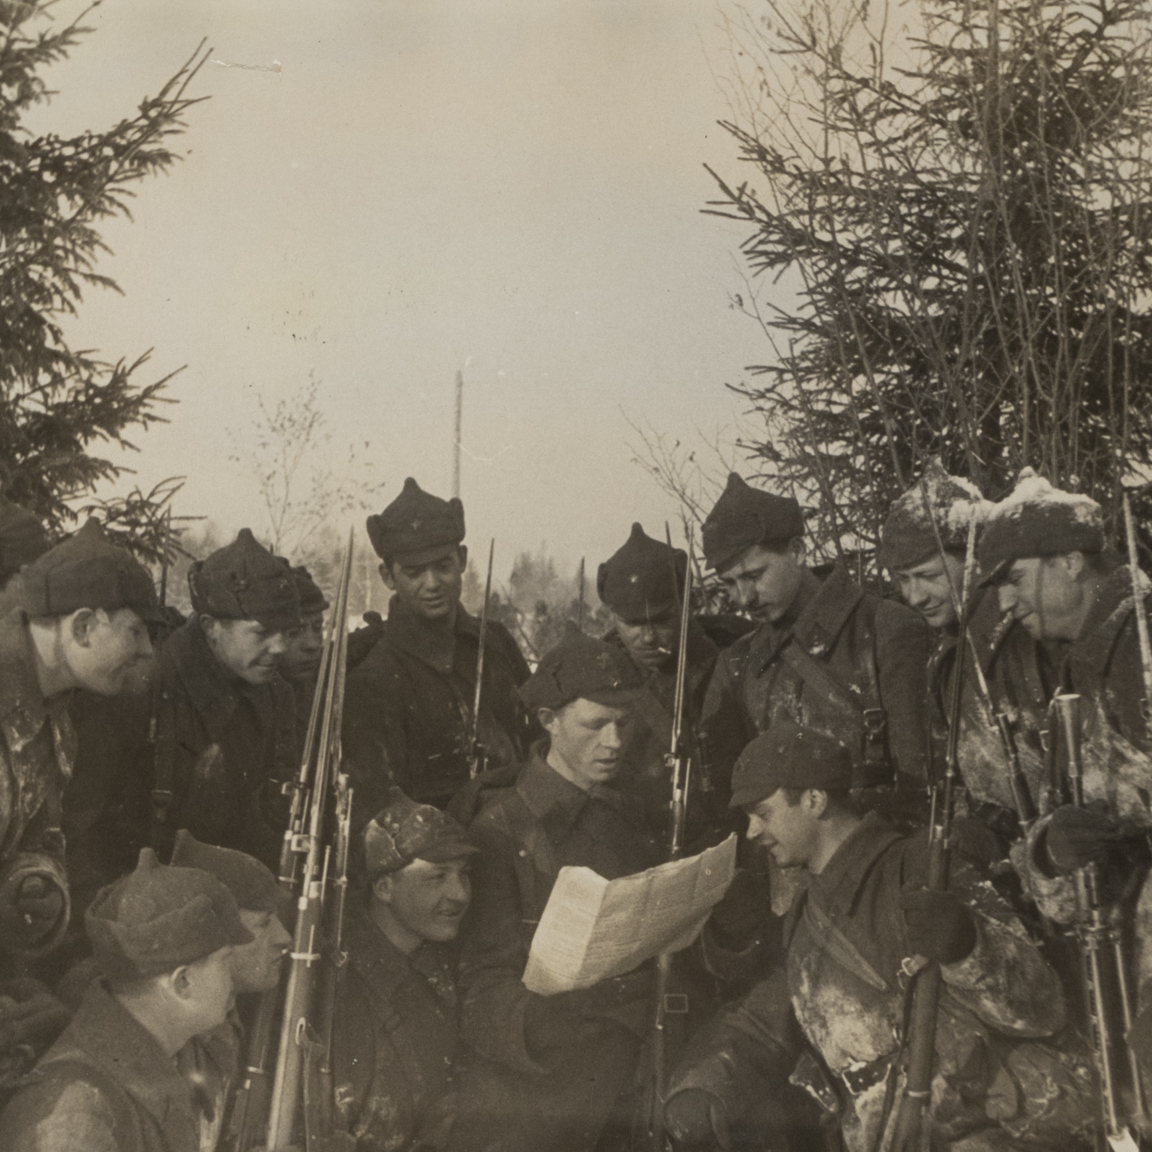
(797, 549)
(462, 553)
(81, 624)
(816, 802)
(547, 717)
(181, 982)
(382, 888)
(385, 570)
(1073, 563)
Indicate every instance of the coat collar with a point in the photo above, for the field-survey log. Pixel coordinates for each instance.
(23, 708)
(213, 692)
(824, 608)
(839, 885)
(1106, 618)
(433, 646)
(112, 1039)
(555, 802)
(379, 961)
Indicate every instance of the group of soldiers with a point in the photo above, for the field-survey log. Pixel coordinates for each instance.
(143, 764)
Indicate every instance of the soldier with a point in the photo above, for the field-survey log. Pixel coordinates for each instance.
(929, 579)
(163, 939)
(76, 617)
(300, 660)
(833, 1014)
(395, 1031)
(1044, 550)
(211, 1060)
(409, 701)
(825, 653)
(225, 721)
(546, 1072)
(642, 584)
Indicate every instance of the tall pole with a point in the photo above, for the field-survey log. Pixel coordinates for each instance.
(459, 428)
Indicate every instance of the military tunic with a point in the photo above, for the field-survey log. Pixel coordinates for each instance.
(644, 773)
(840, 995)
(526, 1084)
(395, 1039)
(224, 744)
(838, 652)
(106, 1085)
(37, 751)
(408, 703)
(1008, 659)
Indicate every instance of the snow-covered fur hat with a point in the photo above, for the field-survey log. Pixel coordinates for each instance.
(907, 538)
(1036, 519)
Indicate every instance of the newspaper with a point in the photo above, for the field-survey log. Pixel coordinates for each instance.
(594, 928)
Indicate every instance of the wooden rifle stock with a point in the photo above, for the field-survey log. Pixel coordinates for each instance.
(1105, 972)
(909, 1133)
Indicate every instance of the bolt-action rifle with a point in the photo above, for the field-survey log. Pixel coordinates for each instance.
(1021, 791)
(1108, 994)
(477, 757)
(920, 1040)
(678, 761)
(313, 867)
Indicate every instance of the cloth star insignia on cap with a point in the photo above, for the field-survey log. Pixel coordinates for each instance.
(604, 659)
(634, 578)
(416, 525)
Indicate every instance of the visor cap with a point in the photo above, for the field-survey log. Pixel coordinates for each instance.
(789, 756)
(580, 666)
(405, 831)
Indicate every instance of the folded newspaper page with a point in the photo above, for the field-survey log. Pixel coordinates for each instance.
(594, 928)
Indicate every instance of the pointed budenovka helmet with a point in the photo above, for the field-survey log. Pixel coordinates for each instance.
(417, 527)
(643, 579)
(908, 537)
(86, 571)
(244, 581)
(744, 516)
(160, 917)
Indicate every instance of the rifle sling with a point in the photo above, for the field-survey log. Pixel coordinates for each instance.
(820, 677)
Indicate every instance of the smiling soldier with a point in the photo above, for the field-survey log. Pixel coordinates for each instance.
(929, 573)
(224, 717)
(831, 1017)
(825, 654)
(395, 1031)
(75, 617)
(408, 703)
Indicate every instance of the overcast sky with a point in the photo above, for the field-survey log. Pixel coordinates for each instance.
(510, 187)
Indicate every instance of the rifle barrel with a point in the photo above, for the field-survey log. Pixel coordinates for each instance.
(474, 758)
(307, 938)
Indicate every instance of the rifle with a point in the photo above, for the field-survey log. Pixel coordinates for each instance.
(318, 925)
(1018, 782)
(1100, 942)
(921, 1033)
(475, 753)
(679, 765)
(580, 605)
(1138, 607)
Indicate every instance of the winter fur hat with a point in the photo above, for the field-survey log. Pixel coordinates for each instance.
(1036, 519)
(908, 537)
